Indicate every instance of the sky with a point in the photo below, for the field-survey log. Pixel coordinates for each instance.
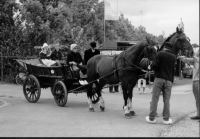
(161, 15)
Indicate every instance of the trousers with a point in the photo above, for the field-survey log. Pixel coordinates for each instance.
(165, 86)
(195, 88)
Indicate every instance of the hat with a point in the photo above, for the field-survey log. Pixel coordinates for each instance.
(73, 46)
(44, 45)
(93, 44)
(168, 45)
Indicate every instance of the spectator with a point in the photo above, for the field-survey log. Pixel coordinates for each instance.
(163, 66)
(195, 85)
(91, 52)
(115, 89)
(143, 81)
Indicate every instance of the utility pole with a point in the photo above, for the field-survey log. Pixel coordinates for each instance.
(141, 18)
(1, 64)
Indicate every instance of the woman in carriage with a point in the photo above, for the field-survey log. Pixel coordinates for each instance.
(74, 58)
(46, 56)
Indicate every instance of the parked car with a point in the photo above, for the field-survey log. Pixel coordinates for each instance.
(187, 71)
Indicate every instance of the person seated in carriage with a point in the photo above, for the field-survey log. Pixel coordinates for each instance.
(45, 52)
(46, 57)
(57, 55)
(74, 58)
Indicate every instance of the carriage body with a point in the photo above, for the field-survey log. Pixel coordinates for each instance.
(61, 79)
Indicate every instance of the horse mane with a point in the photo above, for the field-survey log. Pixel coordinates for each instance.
(162, 46)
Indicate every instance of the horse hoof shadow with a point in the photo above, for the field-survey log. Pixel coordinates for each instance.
(128, 115)
(91, 109)
(133, 113)
(102, 108)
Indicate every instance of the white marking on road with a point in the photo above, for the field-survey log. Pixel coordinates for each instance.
(5, 104)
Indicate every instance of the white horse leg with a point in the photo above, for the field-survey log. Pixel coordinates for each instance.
(129, 104)
(131, 108)
(91, 108)
(102, 106)
(127, 112)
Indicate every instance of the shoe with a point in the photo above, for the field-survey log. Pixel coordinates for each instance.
(195, 117)
(112, 91)
(149, 121)
(140, 92)
(144, 92)
(167, 122)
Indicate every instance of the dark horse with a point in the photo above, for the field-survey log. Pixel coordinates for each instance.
(125, 68)
(122, 68)
(180, 42)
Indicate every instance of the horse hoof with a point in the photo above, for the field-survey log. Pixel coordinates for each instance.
(91, 109)
(133, 113)
(102, 108)
(128, 115)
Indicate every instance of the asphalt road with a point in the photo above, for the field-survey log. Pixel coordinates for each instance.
(19, 118)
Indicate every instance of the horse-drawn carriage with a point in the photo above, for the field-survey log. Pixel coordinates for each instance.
(61, 79)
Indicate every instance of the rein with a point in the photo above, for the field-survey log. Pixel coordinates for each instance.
(115, 70)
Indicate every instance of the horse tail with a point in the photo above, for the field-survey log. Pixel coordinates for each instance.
(92, 72)
(92, 75)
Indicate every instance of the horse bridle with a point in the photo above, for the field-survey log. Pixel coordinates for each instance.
(148, 57)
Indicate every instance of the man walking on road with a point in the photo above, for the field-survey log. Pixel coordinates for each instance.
(163, 66)
(195, 85)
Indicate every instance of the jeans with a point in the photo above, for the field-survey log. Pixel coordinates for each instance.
(165, 86)
(195, 88)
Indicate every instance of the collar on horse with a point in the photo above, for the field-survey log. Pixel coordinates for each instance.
(132, 67)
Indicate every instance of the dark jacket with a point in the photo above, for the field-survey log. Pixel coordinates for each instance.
(164, 65)
(56, 55)
(76, 57)
(89, 54)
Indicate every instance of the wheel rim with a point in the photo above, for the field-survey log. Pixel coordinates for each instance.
(59, 94)
(31, 90)
(19, 81)
(95, 97)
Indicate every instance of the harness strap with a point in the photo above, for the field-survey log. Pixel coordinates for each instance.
(114, 65)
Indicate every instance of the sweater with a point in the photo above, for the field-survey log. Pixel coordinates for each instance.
(164, 65)
(89, 54)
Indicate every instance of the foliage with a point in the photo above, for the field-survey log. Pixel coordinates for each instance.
(123, 30)
(52, 21)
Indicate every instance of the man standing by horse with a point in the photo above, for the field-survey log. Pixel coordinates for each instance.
(91, 52)
(163, 65)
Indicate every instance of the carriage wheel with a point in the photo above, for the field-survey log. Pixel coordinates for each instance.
(18, 80)
(95, 97)
(31, 88)
(60, 93)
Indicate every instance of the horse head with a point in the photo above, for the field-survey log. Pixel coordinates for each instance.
(180, 42)
(151, 49)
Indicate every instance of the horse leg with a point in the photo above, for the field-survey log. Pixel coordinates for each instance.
(130, 96)
(89, 95)
(101, 84)
(125, 95)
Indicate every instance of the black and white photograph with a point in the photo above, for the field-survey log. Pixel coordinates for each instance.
(99, 68)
